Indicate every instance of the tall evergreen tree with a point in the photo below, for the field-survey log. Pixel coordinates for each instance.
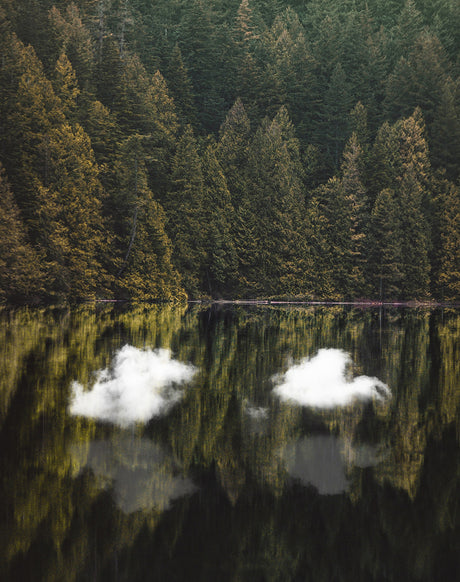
(144, 270)
(200, 44)
(69, 226)
(219, 214)
(446, 260)
(445, 131)
(66, 86)
(232, 150)
(68, 34)
(21, 276)
(184, 207)
(415, 205)
(277, 207)
(335, 108)
(180, 87)
(357, 203)
(384, 258)
(418, 81)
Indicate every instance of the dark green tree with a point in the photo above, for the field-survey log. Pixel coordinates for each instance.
(21, 276)
(232, 151)
(275, 218)
(180, 87)
(186, 226)
(446, 255)
(415, 205)
(383, 249)
(219, 214)
(144, 262)
(69, 34)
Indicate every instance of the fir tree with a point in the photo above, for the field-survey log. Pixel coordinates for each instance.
(180, 87)
(384, 258)
(71, 36)
(144, 263)
(232, 150)
(447, 258)
(69, 225)
(184, 207)
(276, 202)
(219, 214)
(21, 276)
(414, 200)
(65, 85)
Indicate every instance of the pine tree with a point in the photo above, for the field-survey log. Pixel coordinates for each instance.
(277, 208)
(232, 151)
(21, 276)
(144, 267)
(71, 36)
(446, 130)
(384, 161)
(219, 214)
(384, 248)
(335, 108)
(332, 244)
(418, 81)
(100, 124)
(203, 53)
(66, 86)
(446, 275)
(160, 130)
(320, 268)
(109, 74)
(248, 73)
(69, 226)
(29, 111)
(357, 205)
(293, 69)
(184, 208)
(414, 201)
(180, 87)
(409, 26)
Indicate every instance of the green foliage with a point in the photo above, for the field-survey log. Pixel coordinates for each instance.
(269, 135)
(384, 265)
(184, 208)
(218, 215)
(21, 276)
(448, 258)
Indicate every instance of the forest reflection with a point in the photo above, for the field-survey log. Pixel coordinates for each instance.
(223, 481)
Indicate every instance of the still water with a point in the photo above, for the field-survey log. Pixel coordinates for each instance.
(229, 443)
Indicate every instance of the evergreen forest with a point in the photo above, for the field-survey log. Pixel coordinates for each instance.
(164, 149)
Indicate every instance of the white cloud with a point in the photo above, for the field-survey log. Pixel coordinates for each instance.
(321, 382)
(140, 385)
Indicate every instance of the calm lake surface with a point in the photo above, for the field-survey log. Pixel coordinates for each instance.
(224, 443)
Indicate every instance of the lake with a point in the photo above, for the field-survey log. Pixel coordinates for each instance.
(229, 443)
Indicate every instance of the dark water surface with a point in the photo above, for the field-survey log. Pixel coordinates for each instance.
(234, 456)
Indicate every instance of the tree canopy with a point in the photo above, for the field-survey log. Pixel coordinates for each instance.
(229, 149)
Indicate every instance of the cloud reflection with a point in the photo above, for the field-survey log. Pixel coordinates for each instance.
(138, 472)
(140, 385)
(321, 382)
(323, 461)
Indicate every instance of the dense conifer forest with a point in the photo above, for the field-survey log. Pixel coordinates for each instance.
(158, 149)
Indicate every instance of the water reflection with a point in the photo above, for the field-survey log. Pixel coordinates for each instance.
(325, 461)
(317, 461)
(140, 384)
(278, 487)
(140, 475)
